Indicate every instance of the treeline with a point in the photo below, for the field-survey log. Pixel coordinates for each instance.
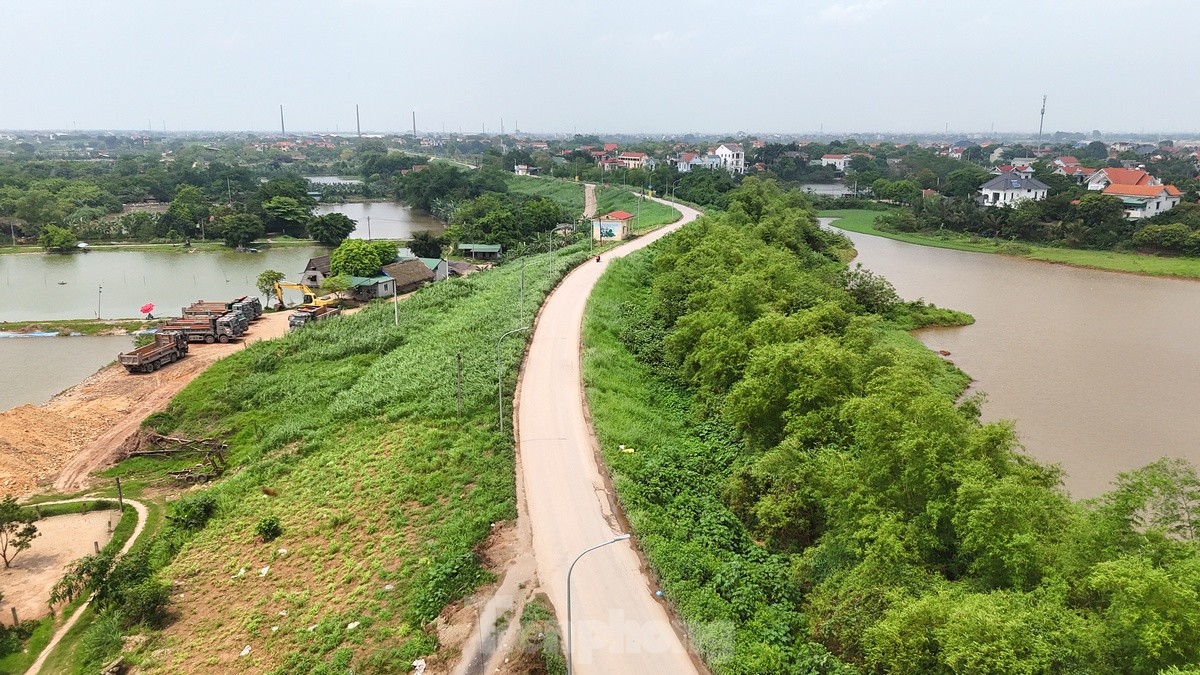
(1093, 220)
(804, 473)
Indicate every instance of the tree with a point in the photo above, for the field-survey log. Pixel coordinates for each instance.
(241, 229)
(55, 238)
(335, 284)
(331, 228)
(266, 282)
(356, 258)
(286, 214)
(965, 181)
(16, 529)
(190, 206)
(426, 245)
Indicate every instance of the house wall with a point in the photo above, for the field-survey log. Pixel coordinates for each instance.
(1010, 197)
(312, 278)
(609, 230)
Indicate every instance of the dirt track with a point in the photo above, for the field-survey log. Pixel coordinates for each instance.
(81, 429)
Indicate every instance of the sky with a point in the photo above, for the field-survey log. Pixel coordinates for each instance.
(605, 66)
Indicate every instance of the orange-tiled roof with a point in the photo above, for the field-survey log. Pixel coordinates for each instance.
(617, 215)
(1127, 176)
(1141, 190)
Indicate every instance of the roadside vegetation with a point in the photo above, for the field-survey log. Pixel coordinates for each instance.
(565, 193)
(866, 222)
(652, 213)
(814, 497)
(359, 495)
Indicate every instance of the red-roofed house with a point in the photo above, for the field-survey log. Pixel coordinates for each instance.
(612, 226)
(1145, 201)
(608, 164)
(1065, 161)
(1024, 171)
(838, 162)
(610, 147)
(1080, 173)
(1105, 177)
(632, 160)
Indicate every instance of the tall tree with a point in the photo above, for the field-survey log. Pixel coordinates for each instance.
(331, 228)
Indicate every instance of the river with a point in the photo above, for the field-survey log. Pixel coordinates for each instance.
(1096, 368)
(383, 220)
(32, 369)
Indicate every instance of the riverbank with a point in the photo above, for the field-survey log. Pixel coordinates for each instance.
(77, 327)
(863, 222)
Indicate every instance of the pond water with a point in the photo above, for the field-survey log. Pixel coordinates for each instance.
(33, 369)
(384, 220)
(1097, 368)
(333, 180)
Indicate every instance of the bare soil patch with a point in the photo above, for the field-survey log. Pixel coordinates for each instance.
(82, 429)
(61, 539)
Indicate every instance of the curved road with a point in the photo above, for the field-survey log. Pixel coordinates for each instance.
(62, 630)
(619, 626)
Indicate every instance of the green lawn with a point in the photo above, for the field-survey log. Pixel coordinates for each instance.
(863, 222)
(567, 194)
(652, 213)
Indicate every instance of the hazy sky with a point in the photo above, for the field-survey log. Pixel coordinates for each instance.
(602, 65)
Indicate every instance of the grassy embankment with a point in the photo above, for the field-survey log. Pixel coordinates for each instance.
(81, 326)
(210, 245)
(653, 214)
(864, 222)
(567, 194)
(347, 432)
(43, 629)
(704, 557)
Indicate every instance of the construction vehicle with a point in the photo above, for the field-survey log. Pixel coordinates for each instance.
(245, 310)
(207, 329)
(250, 302)
(308, 313)
(217, 309)
(310, 298)
(168, 346)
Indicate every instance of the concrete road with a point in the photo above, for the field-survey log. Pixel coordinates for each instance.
(619, 626)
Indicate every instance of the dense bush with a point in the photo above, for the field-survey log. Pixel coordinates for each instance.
(268, 528)
(805, 473)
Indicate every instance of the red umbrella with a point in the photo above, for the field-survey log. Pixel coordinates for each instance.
(147, 308)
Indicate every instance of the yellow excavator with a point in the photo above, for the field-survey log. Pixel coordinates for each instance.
(310, 298)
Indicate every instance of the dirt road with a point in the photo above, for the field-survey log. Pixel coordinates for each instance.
(81, 429)
(618, 625)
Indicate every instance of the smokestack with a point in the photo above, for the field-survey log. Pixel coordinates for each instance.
(282, 129)
(357, 121)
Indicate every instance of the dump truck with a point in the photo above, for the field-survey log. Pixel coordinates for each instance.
(248, 302)
(168, 346)
(308, 313)
(217, 309)
(208, 329)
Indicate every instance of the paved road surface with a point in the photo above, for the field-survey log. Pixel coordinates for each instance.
(619, 626)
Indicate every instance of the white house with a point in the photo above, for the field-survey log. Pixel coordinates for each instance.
(838, 162)
(632, 160)
(524, 170)
(1010, 189)
(733, 158)
(1145, 201)
(612, 226)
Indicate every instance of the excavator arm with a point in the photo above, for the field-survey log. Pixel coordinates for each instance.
(310, 298)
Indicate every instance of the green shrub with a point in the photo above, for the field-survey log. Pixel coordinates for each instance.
(268, 528)
(146, 603)
(192, 511)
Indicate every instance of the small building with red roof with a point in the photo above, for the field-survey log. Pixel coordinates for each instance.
(1145, 201)
(612, 226)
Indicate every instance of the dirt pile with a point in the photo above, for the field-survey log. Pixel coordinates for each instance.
(83, 428)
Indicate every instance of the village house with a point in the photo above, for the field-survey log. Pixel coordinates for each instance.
(632, 160)
(838, 162)
(1065, 161)
(1145, 201)
(369, 288)
(439, 266)
(612, 226)
(315, 272)
(525, 170)
(733, 158)
(1080, 174)
(1010, 189)
(1121, 176)
(408, 275)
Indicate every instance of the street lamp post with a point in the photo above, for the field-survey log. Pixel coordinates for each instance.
(570, 634)
(99, 291)
(499, 382)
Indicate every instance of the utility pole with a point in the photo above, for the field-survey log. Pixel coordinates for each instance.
(368, 228)
(282, 129)
(1042, 123)
(357, 121)
(414, 124)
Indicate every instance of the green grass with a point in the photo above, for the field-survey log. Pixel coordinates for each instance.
(348, 433)
(567, 194)
(82, 326)
(1135, 263)
(652, 213)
